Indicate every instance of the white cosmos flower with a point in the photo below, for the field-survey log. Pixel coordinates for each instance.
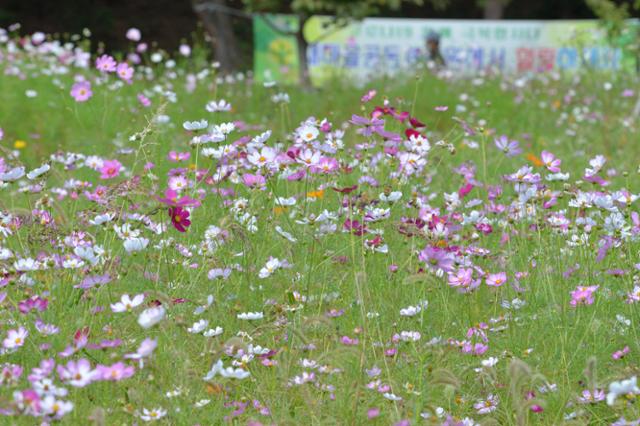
(392, 397)
(225, 128)
(229, 372)
(622, 387)
(282, 201)
(151, 316)
(195, 125)
(393, 196)
(5, 253)
(257, 350)
(135, 244)
(286, 234)
(272, 265)
(13, 174)
(308, 133)
(489, 362)
(410, 336)
(250, 316)
(102, 218)
(126, 303)
(221, 105)
(153, 415)
(38, 172)
(213, 332)
(198, 326)
(26, 264)
(89, 253)
(53, 407)
(200, 309)
(126, 231)
(410, 311)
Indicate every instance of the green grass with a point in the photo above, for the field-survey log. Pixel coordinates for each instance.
(335, 271)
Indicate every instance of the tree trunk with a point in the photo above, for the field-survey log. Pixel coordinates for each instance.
(303, 68)
(493, 9)
(223, 40)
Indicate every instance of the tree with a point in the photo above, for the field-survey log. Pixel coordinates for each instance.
(215, 17)
(342, 12)
(493, 9)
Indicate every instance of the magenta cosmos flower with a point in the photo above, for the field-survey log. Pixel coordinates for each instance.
(179, 218)
(81, 91)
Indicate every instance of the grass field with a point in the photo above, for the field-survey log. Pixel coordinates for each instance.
(442, 251)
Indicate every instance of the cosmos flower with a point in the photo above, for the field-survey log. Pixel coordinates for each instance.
(550, 161)
(125, 72)
(151, 316)
(126, 303)
(250, 316)
(623, 387)
(77, 374)
(106, 64)
(510, 148)
(81, 91)
(153, 414)
(15, 338)
(110, 169)
(496, 280)
(179, 218)
(488, 405)
(437, 259)
(583, 295)
(115, 372)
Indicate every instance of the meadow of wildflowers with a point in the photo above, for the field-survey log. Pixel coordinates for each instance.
(181, 247)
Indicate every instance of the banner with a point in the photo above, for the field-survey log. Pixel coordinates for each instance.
(374, 46)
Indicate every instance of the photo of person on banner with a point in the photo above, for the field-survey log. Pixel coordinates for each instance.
(433, 50)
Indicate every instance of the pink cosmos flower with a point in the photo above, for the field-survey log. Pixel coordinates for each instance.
(81, 91)
(488, 405)
(253, 181)
(550, 161)
(115, 372)
(461, 278)
(144, 101)
(178, 156)
(110, 169)
(125, 72)
(368, 96)
(15, 338)
(326, 165)
(496, 280)
(591, 397)
(583, 295)
(78, 374)
(145, 350)
(511, 148)
(106, 63)
(134, 34)
(621, 353)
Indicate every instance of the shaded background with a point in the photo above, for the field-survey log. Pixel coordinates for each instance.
(170, 22)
